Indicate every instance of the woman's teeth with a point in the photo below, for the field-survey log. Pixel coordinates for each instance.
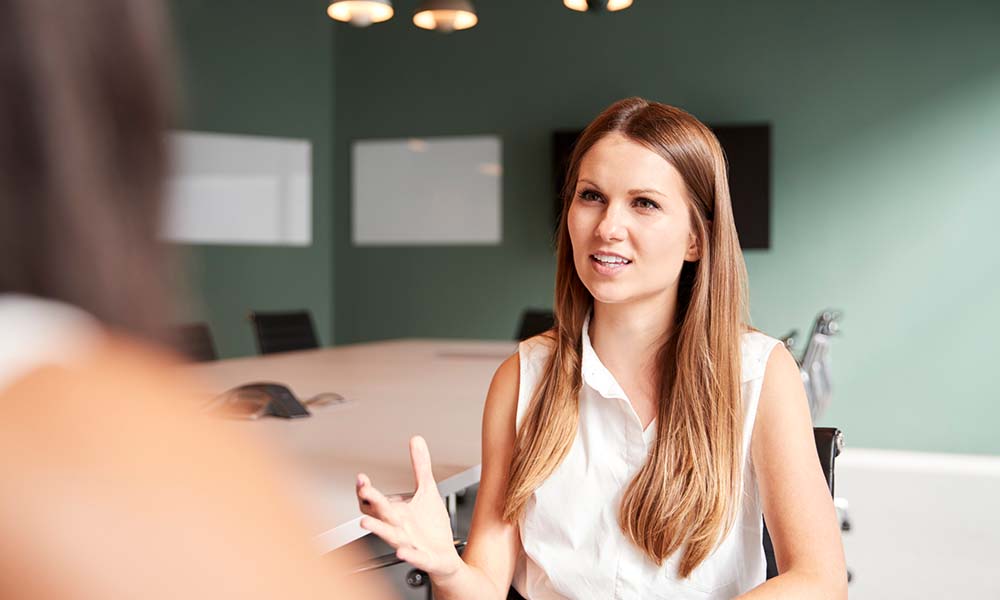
(610, 260)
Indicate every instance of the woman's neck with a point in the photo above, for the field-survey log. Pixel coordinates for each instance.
(627, 337)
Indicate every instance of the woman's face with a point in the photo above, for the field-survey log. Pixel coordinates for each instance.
(629, 223)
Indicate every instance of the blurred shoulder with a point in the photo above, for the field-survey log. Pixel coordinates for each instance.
(114, 437)
(113, 372)
(118, 397)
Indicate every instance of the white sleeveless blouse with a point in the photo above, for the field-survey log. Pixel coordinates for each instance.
(572, 544)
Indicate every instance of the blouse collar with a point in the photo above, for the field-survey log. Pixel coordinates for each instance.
(594, 373)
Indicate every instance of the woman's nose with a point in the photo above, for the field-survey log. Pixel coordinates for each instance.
(611, 228)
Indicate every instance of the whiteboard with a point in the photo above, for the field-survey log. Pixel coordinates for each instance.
(239, 189)
(426, 191)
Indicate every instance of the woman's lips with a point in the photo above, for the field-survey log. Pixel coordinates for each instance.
(608, 268)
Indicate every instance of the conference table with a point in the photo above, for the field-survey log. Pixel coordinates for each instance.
(393, 390)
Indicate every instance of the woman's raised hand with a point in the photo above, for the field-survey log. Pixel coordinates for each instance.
(419, 529)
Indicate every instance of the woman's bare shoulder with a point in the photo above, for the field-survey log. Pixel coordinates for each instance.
(502, 396)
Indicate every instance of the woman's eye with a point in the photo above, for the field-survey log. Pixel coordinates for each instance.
(646, 203)
(589, 195)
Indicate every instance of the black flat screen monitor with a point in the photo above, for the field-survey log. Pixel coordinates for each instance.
(748, 152)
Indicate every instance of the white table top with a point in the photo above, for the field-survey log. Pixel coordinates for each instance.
(395, 389)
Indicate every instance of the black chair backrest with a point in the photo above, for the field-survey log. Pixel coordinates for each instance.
(283, 331)
(828, 444)
(534, 322)
(194, 340)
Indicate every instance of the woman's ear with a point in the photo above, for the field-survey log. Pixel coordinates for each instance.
(694, 244)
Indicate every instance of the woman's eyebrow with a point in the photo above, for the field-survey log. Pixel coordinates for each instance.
(646, 191)
(630, 192)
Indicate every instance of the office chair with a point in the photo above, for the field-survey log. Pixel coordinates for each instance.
(829, 442)
(533, 322)
(814, 365)
(194, 341)
(283, 331)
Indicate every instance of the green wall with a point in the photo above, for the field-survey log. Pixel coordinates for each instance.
(885, 194)
(886, 166)
(259, 67)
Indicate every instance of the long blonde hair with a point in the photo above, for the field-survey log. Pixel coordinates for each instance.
(688, 490)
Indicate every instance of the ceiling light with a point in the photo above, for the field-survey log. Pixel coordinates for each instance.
(360, 13)
(597, 5)
(445, 15)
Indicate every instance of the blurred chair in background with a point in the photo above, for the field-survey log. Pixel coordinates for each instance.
(533, 322)
(283, 331)
(194, 341)
(814, 365)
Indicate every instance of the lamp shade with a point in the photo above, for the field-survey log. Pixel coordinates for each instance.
(445, 15)
(360, 13)
(597, 5)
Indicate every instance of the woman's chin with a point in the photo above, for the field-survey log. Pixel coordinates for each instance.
(609, 294)
(617, 295)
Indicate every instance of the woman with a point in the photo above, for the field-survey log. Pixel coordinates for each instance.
(632, 450)
(113, 486)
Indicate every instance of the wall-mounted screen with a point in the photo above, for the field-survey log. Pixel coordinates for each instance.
(426, 191)
(239, 190)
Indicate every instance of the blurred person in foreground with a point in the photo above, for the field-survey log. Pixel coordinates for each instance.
(114, 486)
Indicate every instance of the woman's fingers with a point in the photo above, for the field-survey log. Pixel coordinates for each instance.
(418, 527)
(387, 532)
(373, 503)
(420, 457)
(361, 481)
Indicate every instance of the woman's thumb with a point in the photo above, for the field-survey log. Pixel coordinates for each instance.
(420, 456)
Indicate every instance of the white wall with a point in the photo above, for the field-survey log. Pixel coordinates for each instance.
(924, 525)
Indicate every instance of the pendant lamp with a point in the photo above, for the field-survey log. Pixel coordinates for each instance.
(445, 15)
(597, 5)
(360, 13)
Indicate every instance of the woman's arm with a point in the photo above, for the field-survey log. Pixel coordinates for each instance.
(419, 529)
(493, 543)
(796, 500)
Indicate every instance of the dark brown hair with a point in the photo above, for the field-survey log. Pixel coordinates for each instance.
(687, 492)
(84, 107)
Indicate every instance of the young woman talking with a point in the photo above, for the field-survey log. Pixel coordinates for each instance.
(631, 451)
